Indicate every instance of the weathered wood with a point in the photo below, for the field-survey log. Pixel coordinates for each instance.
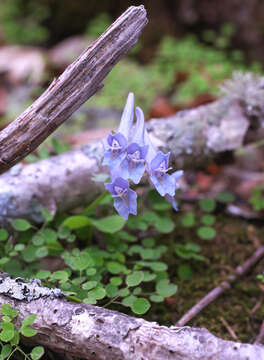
(95, 333)
(63, 182)
(66, 94)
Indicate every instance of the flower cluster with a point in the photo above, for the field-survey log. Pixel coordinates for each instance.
(128, 155)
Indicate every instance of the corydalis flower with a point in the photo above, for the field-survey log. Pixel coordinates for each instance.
(125, 199)
(116, 144)
(133, 166)
(158, 167)
(128, 155)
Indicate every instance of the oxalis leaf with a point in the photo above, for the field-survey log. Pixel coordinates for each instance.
(110, 224)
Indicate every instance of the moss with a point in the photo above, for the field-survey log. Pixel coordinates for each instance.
(230, 248)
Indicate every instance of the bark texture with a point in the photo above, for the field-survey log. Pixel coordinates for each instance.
(95, 333)
(66, 94)
(63, 182)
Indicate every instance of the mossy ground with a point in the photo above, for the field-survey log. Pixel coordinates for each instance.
(230, 248)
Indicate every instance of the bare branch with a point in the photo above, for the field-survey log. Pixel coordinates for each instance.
(66, 94)
(95, 333)
(225, 285)
(64, 182)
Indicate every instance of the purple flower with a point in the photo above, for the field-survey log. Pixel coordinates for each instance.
(125, 199)
(116, 144)
(133, 165)
(157, 167)
(176, 176)
(163, 182)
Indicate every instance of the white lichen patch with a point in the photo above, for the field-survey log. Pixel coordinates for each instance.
(82, 324)
(20, 289)
(230, 134)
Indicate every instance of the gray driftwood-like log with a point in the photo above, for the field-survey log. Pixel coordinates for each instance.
(63, 182)
(66, 94)
(95, 333)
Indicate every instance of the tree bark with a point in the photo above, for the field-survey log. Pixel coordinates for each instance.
(63, 182)
(66, 94)
(95, 333)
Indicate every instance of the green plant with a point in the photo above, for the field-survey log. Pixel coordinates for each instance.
(10, 334)
(119, 269)
(52, 146)
(22, 21)
(257, 198)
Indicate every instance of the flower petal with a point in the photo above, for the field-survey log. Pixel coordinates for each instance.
(127, 117)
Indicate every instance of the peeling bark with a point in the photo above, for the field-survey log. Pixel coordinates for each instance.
(64, 182)
(91, 332)
(66, 94)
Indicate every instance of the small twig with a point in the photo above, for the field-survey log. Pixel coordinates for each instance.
(228, 328)
(65, 95)
(213, 294)
(257, 306)
(260, 337)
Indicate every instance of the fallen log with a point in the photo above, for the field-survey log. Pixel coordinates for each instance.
(194, 136)
(95, 333)
(66, 94)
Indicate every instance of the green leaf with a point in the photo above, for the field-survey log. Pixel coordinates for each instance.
(19, 247)
(91, 271)
(97, 293)
(60, 275)
(29, 254)
(37, 352)
(158, 266)
(89, 285)
(156, 298)
(91, 301)
(43, 274)
(77, 222)
(164, 225)
(135, 278)
(5, 351)
(110, 224)
(38, 239)
(16, 338)
(206, 232)
(225, 197)
(128, 301)
(140, 306)
(185, 272)
(21, 224)
(82, 261)
(207, 204)
(188, 220)
(29, 320)
(149, 276)
(208, 220)
(116, 280)
(27, 331)
(114, 267)
(111, 290)
(8, 331)
(6, 309)
(47, 215)
(148, 242)
(41, 252)
(4, 260)
(165, 288)
(3, 235)
(124, 292)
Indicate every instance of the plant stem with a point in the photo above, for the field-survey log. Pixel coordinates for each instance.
(96, 202)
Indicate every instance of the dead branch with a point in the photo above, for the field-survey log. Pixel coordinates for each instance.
(260, 337)
(66, 94)
(95, 333)
(64, 182)
(225, 285)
